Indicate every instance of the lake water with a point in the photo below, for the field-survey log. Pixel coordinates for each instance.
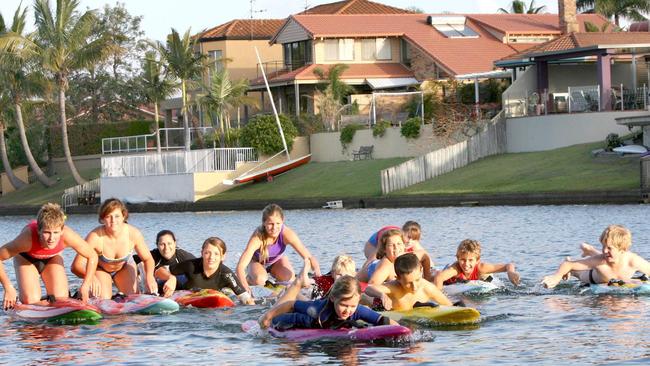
(519, 325)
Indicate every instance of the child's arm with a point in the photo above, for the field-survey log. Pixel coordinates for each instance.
(425, 261)
(640, 264)
(566, 267)
(282, 308)
(442, 276)
(382, 272)
(436, 295)
(509, 268)
(588, 250)
(372, 317)
(381, 292)
(21, 243)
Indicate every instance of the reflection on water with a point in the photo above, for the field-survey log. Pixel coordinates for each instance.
(528, 324)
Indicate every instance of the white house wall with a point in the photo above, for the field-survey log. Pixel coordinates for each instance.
(563, 76)
(560, 130)
(159, 188)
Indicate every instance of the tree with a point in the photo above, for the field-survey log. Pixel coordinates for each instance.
(184, 64)
(519, 7)
(156, 85)
(18, 74)
(330, 96)
(4, 106)
(66, 44)
(616, 9)
(224, 96)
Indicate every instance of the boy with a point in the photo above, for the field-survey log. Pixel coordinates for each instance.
(409, 288)
(468, 266)
(615, 262)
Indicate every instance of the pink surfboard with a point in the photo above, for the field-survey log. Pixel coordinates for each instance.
(64, 311)
(355, 334)
(136, 304)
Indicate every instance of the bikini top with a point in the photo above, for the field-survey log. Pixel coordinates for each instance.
(37, 251)
(275, 250)
(104, 259)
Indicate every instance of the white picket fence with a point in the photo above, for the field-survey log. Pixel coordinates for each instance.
(491, 140)
(71, 196)
(177, 162)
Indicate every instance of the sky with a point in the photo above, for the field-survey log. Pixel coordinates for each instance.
(159, 16)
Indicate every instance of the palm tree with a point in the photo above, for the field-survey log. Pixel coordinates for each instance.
(223, 96)
(156, 85)
(617, 9)
(330, 98)
(13, 180)
(65, 45)
(519, 7)
(15, 59)
(179, 54)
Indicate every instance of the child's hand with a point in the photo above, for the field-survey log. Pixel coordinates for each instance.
(386, 302)
(550, 281)
(9, 300)
(169, 286)
(264, 321)
(514, 278)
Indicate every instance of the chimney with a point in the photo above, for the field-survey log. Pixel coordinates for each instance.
(568, 20)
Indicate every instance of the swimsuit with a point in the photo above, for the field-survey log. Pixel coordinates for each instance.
(37, 255)
(374, 238)
(193, 270)
(460, 277)
(372, 267)
(106, 260)
(322, 285)
(275, 251)
(179, 256)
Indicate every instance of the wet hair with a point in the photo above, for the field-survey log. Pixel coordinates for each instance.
(617, 236)
(406, 263)
(162, 233)
(216, 242)
(469, 246)
(381, 246)
(268, 211)
(412, 230)
(50, 216)
(343, 263)
(109, 206)
(345, 287)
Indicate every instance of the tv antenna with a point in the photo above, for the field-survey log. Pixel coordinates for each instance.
(252, 12)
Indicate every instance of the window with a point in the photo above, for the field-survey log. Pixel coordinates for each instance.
(297, 54)
(383, 49)
(368, 47)
(405, 49)
(452, 26)
(339, 49)
(216, 62)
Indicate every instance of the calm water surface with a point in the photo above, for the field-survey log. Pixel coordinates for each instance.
(525, 324)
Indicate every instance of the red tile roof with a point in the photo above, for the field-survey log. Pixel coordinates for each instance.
(243, 29)
(581, 40)
(354, 7)
(456, 55)
(354, 71)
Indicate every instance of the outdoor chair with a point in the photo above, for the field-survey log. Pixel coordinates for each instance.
(578, 102)
(364, 152)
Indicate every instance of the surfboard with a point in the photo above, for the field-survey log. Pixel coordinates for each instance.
(471, 288)
(136, 304)
(642, 288)
(65, 311)
(442, 315)
(357, 334)
(206, 298)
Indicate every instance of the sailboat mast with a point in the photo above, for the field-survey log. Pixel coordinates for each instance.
(275, 112)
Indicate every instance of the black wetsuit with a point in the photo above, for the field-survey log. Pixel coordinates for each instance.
(193, 270)
(160, 261)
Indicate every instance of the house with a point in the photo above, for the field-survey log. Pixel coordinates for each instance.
(396, 51)
(577, 72)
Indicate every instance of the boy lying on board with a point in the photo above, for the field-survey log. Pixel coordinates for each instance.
(409, 288)
(615, 262)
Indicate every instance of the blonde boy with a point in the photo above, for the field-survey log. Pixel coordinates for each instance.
(468, 266)
(615, 262)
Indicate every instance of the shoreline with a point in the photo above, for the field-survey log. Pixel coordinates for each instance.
(634, 196)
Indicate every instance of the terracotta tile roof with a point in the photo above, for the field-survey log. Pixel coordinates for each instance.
(241, 29)
(354, 7)
(533, 23)
(581, 40)
(354, 71)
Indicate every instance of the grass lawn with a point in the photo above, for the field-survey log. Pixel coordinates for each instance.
(561, 170)
(37, 194)
(338, 179)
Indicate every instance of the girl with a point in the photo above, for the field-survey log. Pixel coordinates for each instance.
(340, 309)
(264, 252)
(209, 272)
(114, 241)
(391, 246)
(37, 255)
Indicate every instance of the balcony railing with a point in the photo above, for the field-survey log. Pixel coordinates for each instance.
(576, 99)
(170, 139)
(279, 67)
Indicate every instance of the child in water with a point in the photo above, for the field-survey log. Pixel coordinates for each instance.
(340, 309)
(391, 246)
(615, 262)
(468, 266)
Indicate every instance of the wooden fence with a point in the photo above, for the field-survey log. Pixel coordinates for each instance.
(491, 140)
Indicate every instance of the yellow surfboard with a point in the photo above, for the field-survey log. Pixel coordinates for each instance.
(444, 315)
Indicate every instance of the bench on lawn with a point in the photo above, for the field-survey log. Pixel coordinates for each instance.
(364, 152)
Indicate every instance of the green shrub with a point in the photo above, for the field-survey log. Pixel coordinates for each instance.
(308, 124)
(611, 141)
(347, 134)
(86, 138)
(411, 128)
(262, 133)
(380, 128)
